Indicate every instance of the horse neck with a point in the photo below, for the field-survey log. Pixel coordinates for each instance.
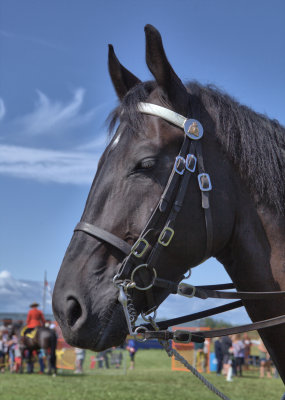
(255, 260)
(255, 256)
(274, 227)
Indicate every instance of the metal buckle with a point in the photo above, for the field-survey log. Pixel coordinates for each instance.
(179, 160)
(135, 247)
(179, 331)
(189, 160)
(181, 285)
(152, 282)
(161, 236)
(208, 182)
(193, 129)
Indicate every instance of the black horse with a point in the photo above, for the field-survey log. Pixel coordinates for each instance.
(244, 153)
(39, 338)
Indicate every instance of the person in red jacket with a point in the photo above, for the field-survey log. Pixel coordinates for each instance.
(35, 317)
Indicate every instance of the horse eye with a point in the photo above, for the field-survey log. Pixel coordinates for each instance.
(147, 163)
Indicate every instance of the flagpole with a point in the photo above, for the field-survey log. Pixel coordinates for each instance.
(44, 294)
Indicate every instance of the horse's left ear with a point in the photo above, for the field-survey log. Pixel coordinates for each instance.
(123, 80)
(163, 72)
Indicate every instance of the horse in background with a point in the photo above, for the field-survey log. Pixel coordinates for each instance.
(39, 338)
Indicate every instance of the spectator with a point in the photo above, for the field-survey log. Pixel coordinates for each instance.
(226, 345)
(5, 348)
(247, 347)
(219, 356)
(12, 343)
(206, 354)
(231, 365)
(132, 349)
(104, 356)
(41, 358)
(265, 362)
(18, 358)
(238, 351)
(2, 353)
(79, 360)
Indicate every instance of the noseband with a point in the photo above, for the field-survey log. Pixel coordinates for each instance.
(138, 269)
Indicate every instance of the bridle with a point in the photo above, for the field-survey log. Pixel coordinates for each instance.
(159, 231)
(137, 270)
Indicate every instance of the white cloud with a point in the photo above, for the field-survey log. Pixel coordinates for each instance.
(16, 295)
(54, 117)
(2, 109)
(48, 165)
(32, 39)
(51, 117)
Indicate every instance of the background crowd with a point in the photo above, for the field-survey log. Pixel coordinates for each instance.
(233, 356)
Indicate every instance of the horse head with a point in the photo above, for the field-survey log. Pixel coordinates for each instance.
(132, 176)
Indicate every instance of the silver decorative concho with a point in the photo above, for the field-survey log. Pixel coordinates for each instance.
(193, 129)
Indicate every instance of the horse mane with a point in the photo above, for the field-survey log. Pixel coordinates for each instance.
(253, 142)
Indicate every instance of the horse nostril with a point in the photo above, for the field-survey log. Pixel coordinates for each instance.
(74, 311)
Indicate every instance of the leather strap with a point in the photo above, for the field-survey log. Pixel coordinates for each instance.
(101, 234)
(173, 179)
(195, 316)
(167, 335)
(210, 291)
(203, 293)
(165, 113)
(178, 335)
(266, 323)
(205, 198)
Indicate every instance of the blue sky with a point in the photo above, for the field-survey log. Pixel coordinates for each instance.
(55, 94)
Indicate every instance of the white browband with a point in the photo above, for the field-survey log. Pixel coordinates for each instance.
(158, 111)
(192, 128)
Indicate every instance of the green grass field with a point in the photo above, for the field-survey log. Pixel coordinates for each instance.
(152, 378)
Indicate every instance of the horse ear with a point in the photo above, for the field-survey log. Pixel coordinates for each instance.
(163, 72)
(123, 80)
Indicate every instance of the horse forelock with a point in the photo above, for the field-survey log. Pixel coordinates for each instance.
(127, 110)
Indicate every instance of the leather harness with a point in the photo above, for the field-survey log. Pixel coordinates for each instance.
(137, 270)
